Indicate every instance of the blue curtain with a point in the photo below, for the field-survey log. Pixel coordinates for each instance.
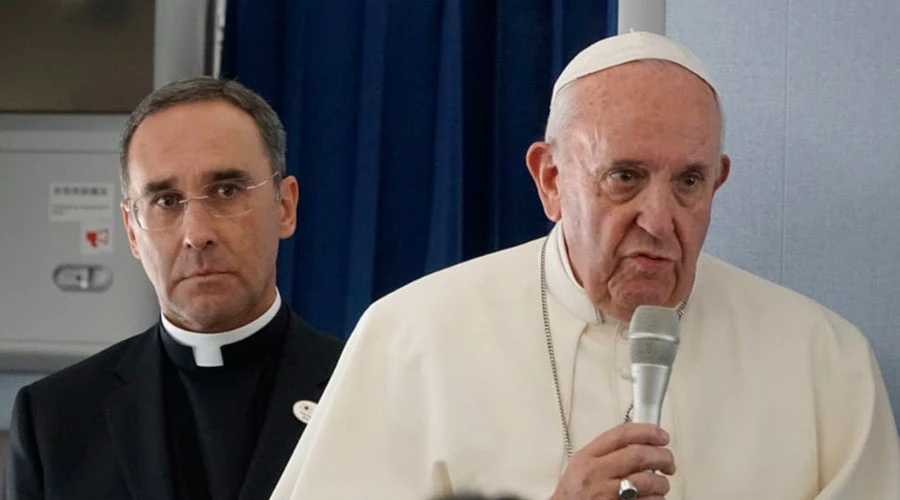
(408, 122)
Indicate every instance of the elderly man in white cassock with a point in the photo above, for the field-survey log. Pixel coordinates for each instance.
(510, 373)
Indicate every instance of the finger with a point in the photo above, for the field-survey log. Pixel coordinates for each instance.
(634, 459)
(624, 435)
(650, 485)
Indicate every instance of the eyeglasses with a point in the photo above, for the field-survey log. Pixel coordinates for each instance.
(165, 209)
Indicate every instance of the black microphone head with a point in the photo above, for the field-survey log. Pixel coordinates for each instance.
(653, 336)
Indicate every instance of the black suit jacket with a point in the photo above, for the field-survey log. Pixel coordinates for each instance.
(96, 430)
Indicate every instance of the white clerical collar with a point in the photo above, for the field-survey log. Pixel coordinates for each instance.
(561, 280)
(207, 347)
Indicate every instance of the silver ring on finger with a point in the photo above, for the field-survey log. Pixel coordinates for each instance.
(627, 491)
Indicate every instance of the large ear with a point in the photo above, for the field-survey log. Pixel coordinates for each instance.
(724, 170)
(289, 192)
(545, 174)
(129, 230)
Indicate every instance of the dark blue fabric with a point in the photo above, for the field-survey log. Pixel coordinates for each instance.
(408, 122)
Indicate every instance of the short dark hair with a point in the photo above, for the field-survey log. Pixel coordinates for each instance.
(207, 88)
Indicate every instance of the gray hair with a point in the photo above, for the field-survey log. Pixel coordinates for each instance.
(206, 88)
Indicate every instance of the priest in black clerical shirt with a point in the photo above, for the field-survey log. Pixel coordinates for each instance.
(209, 403)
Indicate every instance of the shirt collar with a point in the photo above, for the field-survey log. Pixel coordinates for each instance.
(207, 347)
(561, 282)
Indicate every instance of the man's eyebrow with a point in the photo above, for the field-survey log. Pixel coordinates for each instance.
(168, 184)
(158, 186)
(229, 174)
(629, 163)
(626, 163)
(697, 167)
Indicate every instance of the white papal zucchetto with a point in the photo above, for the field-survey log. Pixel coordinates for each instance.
(620, 49)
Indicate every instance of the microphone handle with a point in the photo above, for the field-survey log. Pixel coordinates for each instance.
(648, 383)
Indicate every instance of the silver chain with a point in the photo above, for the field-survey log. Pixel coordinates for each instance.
(552, 353)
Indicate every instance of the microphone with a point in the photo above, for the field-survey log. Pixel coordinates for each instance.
(653, 338)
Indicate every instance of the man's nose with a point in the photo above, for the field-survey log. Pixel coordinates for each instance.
(656, 214)
(198, 225)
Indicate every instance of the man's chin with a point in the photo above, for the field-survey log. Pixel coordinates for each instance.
(642, 294)
(204, 311)
(207, 282)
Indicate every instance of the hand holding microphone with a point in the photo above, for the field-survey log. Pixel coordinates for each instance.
(618, 464)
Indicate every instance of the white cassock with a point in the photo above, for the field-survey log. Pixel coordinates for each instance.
(445, 386)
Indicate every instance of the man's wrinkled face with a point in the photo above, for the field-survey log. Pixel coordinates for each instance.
(637, 164)
(210, 273)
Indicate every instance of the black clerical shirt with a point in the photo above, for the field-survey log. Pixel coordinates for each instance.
(214, 414)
